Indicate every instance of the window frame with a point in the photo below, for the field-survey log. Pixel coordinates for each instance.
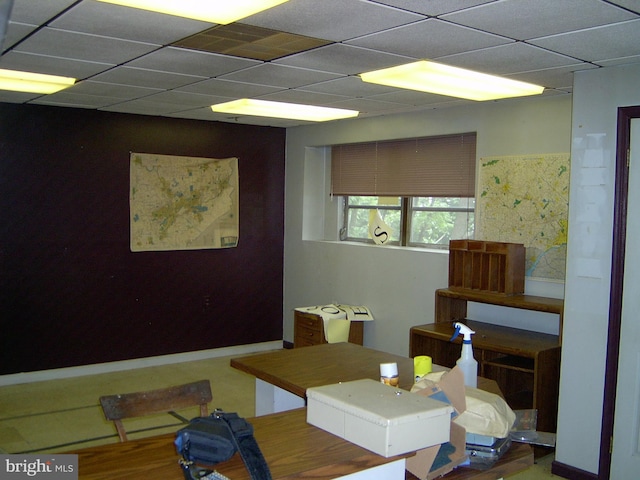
(406, 209)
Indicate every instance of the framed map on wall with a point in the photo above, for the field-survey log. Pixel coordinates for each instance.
(183, 203)
(525, 199)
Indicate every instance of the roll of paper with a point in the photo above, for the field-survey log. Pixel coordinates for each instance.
(421, 366)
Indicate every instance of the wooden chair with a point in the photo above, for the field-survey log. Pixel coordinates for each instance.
(128, 405)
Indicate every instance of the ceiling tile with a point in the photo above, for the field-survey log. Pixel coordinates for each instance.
(179, 60)
(185, 99)
(51, 65)
(433, 7)
(351, 86)
(250, 41)
(109, 20)
(336, 20)
(70, 99)
(81, 46)
(15, 32)
(146, 78)
(124, 92)
(37, 12)
(279, 76)
(345, 59)
(225, 88)
(144, 107)
(561, 77)
(429, 39)
(303, 97)
(595, 44)
(511, 58)
(524, 19)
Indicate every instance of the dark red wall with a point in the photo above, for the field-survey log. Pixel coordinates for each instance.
(72, 292)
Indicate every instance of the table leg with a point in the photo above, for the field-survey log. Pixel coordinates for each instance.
(272, 399)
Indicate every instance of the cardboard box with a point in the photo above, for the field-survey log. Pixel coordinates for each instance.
(380, 418)
(430, 463)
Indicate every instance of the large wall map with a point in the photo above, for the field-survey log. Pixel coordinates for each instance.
(525, 199)
(183, 203)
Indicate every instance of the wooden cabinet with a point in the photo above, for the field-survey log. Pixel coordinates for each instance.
(308, 329)
(525, 364)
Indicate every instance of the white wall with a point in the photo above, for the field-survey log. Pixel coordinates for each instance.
(397, 284)
(597, 95)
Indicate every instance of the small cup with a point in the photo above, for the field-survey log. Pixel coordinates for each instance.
(389, 374)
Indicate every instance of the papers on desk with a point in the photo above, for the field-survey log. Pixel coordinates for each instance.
(337, 319)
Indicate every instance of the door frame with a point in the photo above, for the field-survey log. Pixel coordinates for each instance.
(625, 115)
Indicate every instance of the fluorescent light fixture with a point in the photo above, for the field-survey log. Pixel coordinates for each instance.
(213, 11)
(432, 77)
(295, 111)
(17, 81)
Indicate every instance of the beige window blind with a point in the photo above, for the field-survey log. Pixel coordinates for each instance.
(442, 166)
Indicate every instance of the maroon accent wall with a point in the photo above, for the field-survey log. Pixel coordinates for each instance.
(71, 291)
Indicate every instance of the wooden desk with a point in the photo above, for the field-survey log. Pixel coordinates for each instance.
(283, 376)
(293, 371)
(292, 448)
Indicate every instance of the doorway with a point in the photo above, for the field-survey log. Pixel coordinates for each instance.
(622, 375)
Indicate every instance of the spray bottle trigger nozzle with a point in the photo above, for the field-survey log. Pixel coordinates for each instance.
(456, 333)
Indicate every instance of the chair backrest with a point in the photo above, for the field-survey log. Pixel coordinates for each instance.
(138, 404)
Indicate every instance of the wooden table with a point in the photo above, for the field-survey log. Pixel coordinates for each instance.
(283, 376)
(292, 448)
(293, 371)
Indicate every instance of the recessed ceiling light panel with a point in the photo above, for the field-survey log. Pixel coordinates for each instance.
(212, 11)
(295, 111)
(28, 82)
(432, 77)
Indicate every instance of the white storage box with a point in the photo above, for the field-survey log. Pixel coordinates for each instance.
(380, 418)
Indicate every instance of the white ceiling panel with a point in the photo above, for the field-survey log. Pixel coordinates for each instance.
(65, 67)
(344, 59)
(180, 60)
(81, 46)
(431, 38)
(129, 57)
(123, 92)
(434, 7)
(349, 18)
(38, 12)
(351, 86)
(596, 44)
(225, 88)
(98, 18)
(526, 19)
(511, 58)
(140, 77)
(279, 76)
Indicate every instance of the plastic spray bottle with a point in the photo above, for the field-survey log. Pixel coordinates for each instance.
(466, 362)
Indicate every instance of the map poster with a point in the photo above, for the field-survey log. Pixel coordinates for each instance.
(525, 199)
(183, 203)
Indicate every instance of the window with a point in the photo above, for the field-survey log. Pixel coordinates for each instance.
(413, 221)
(423, 189)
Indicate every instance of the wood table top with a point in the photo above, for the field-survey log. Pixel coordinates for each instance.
(292, 447)
(297, 369)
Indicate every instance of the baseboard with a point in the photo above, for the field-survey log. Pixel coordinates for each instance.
(573, 473)
(58, 373)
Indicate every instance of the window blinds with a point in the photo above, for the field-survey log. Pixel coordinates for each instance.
(442, 166)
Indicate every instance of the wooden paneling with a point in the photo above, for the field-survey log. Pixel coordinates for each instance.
(71, 291)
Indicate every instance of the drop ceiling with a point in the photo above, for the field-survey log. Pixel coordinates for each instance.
(306, 51)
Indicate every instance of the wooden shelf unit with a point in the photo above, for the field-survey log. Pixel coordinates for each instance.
(524, 363)
(492, 267)
(308, 329)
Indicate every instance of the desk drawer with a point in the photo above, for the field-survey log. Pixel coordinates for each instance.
(307, 336)
(308, 321)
